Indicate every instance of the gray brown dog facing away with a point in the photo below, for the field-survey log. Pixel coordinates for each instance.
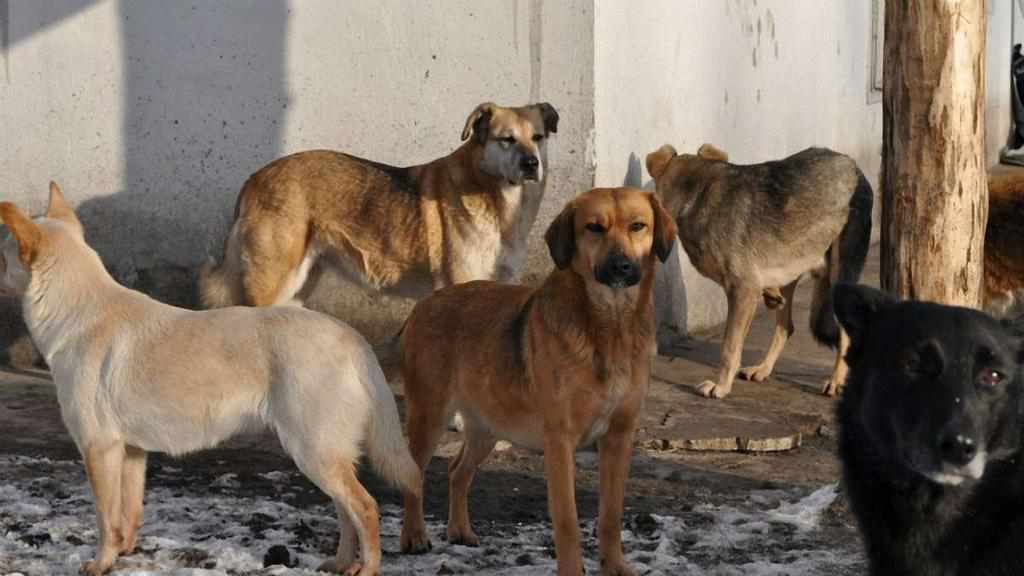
(756, 229)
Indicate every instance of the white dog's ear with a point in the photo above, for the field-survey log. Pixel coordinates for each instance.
(658, 160)
(25, 232)
(478, 121)
(59, 209)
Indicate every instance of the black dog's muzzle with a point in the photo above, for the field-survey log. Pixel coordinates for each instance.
(618, 271)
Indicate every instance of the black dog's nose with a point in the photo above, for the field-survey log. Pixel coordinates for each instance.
(957, 449)
(529, 163)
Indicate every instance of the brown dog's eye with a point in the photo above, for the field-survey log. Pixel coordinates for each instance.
(637, 226)
(538, 137)
(990, 378)
(595, 228)
(508, 139)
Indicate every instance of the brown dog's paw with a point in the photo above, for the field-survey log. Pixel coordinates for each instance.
(712, 389)
(463, 537)
(94, 568)
(757, 373)
(415, 542)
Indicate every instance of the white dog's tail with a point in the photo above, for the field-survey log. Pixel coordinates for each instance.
(385, 444)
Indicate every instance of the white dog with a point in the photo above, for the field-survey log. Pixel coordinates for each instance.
(135, 375)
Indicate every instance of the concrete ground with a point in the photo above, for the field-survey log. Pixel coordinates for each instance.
(669, 478)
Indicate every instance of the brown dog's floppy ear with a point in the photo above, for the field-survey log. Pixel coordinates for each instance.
(664, 230)
(478, 120)
(59, 209)
(561, 237)
(24, 230)
(709, 152)
(550, 117)
(658, 160)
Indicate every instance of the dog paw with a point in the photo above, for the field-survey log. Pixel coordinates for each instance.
(95, 568)
(755, 373)
(415, 542)
(831, 387)
(712, 389)
(616, 569)
(463, 537)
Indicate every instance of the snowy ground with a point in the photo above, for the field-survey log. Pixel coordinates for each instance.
(46, 528)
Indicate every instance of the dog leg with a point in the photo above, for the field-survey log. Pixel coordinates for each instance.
(103, 466)
(783, 330)
(275, 262)
(352, 500)
(742, 305)
(424, 428)
(560, 470)
(839, 369)
(133, 483)
(615, 449)
(476, 447)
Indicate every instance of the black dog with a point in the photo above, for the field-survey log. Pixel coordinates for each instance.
(930, 436)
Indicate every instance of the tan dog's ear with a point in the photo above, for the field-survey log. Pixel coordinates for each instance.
(59, 209)
(25, 232)
(664, 230)
(550, 117)
(561, 237)
(709, 152)
(658, 160)
(478, 120)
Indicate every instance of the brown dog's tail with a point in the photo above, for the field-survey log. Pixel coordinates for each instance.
(220, 285)
(853, 244)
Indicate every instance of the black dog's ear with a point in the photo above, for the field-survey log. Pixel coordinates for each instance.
(550, 117)
(856, 306)
(561, 237)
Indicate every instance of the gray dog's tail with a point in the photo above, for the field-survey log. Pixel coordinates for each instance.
(853, 244)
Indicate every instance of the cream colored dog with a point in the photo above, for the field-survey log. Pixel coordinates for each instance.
(134, 375)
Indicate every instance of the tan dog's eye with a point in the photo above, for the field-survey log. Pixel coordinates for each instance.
(595, 228)
(538, 137)
(508, 140)
(637, 226)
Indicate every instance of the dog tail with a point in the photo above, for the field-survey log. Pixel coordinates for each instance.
(385, 444)
(853, 244)
(389, 354)
(220, 285)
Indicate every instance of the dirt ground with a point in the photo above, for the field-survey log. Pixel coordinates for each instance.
(667, 479)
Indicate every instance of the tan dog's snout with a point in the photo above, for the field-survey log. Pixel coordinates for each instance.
(618, 270)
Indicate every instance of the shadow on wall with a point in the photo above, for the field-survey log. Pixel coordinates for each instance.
(670, 302)
(204, 103)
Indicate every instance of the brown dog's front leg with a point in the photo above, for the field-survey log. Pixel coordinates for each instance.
(616, 450)
(560, 469)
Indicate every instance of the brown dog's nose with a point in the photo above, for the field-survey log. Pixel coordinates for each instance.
(529, 163)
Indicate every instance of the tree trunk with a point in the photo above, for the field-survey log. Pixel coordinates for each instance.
(934, 189)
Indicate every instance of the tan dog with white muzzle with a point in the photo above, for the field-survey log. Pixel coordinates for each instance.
(551, 368)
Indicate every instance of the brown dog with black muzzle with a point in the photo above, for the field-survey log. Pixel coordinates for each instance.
(550, 368)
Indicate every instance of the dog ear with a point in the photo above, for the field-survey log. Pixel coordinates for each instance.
(59, 209)
(709, 152)
(25, 232)
(856, 307)
(561, 237)
(658, 160)
(664, 229)
(478, 120)
(550, 117)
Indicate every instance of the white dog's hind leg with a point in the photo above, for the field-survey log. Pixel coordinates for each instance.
(103, 466)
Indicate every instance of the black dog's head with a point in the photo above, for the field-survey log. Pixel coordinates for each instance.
(935, 389)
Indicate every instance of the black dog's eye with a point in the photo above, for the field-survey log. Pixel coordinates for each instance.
(637, 226)
(990, 378)
(595, 228)
(538, 137)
